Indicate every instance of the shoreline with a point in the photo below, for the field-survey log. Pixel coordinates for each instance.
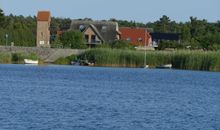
(69, 65)
(105, 57)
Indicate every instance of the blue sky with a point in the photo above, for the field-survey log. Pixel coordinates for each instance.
(138, 10)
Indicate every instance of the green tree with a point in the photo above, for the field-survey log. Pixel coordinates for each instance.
(73, 39)
(121, 44)
(170, 44)
(198, 27)
(209, 40)
(218, 25)
(57, 43)
(1, 17)
(186, 35)
(163, 24)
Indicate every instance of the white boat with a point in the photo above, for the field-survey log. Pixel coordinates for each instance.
(146, 66)
(29, 61)
(167, 66)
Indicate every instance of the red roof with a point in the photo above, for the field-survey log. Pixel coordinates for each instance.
(137, 36)
(43, 16)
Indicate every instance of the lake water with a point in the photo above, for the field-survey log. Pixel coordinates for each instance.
(84, 98)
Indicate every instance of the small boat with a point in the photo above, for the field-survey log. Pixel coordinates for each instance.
(167, 66)
(75, 63)
(146, 66)
(29, 61)
(86, 63)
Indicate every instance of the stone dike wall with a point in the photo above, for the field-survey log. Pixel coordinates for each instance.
(48, 55)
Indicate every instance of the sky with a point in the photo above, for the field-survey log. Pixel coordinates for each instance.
(136, 10)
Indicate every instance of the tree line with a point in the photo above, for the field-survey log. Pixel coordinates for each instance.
(195, 33)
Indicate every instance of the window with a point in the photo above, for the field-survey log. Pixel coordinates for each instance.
(140, 39)
(128, 39)
(93, 39)
(41, 42)
(87, 38)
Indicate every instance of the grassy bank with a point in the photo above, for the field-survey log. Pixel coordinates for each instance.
(193, 60)
(65, 60)
(16, 58)
(5, 58)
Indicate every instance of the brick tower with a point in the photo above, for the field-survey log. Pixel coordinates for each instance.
(43, 32)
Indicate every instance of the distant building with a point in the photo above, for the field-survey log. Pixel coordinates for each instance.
(136, 36)
(97, 32)
(157, 37)
(43, 32)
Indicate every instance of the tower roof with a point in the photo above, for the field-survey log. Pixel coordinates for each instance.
(43, 16)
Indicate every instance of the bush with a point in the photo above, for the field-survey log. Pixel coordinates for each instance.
(214, 47)
(5, 58)
(62, 61)
(121, 44)
(170, 44)
(18, 58)
(103, 46)
(73, 39)
(65, 60)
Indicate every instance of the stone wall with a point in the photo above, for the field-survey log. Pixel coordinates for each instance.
(46, 54)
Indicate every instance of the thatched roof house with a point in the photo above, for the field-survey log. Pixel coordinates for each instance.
(97, 32)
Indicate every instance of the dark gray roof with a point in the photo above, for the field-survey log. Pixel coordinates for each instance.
(106, 29)
(165, 36)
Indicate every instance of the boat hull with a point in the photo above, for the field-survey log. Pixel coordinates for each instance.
(167, 66)
(28, 61)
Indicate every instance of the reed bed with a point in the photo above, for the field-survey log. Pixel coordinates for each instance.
(5, 58)
(196, 60)
(125, 58)
(192, 60)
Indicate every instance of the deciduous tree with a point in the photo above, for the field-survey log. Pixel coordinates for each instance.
(1, 17)
(73, 39)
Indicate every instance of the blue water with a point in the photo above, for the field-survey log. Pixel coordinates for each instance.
(84, 98)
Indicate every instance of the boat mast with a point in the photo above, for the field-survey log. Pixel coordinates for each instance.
(145, 55)
(145, 46)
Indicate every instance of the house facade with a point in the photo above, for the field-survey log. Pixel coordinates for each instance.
(136, 36)
(97, 32)
(43, 32)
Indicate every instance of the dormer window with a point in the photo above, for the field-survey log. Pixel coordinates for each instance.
(81, 27)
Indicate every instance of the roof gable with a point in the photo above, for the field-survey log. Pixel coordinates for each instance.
(107, 29)
(95, 30)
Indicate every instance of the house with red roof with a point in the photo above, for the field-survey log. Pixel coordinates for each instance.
(136, 36)
(43, 29)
